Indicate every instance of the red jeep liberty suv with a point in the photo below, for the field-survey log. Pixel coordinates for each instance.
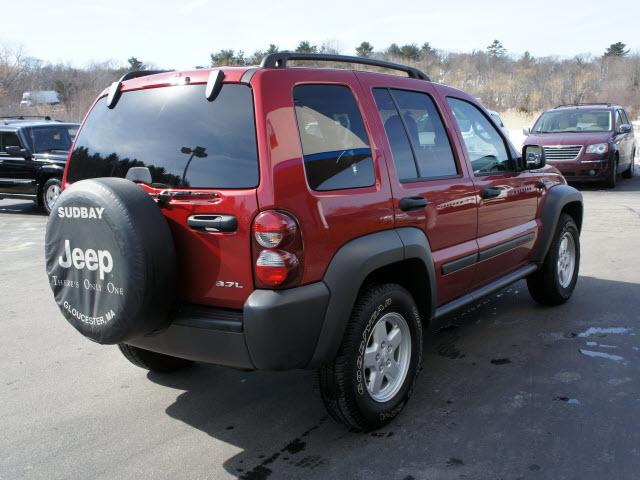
(280, 217)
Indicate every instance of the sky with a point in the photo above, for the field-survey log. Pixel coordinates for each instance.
(182, 34)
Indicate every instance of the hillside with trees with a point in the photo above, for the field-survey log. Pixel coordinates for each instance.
(501, 79)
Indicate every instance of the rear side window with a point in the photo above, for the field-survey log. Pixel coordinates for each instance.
(334, 141)
(416, 134)
(8, 139)
(184, 140)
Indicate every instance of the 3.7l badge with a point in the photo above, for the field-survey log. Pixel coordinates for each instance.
(222, 283)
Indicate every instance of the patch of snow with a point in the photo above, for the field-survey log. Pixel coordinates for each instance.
(599, 330)
(590, 353)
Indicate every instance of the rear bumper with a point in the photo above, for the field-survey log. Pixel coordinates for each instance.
(276, 330)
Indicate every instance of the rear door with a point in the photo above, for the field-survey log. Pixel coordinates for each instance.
(431, 186)
(508, 198)
(203, 162)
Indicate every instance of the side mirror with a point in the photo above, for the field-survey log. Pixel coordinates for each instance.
(526, 132)
(534, 157)
(15, 151)
(625, 128)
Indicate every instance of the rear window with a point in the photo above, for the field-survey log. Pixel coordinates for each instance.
(184, 140)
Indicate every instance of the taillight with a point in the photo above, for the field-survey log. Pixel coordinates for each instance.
(277, 250)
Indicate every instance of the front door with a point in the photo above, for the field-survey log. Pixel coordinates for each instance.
(508, 198)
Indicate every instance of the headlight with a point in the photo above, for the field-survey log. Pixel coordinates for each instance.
(598, 148)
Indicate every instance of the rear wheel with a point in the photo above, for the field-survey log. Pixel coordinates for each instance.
(628, 173)
(376, 368)
(50, 193)
(156, 362)
(554, 283)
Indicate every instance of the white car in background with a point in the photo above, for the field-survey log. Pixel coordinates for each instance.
(496, 118)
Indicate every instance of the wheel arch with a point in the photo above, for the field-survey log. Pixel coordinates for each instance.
(399, 255)
(558, 200)
(43, 175)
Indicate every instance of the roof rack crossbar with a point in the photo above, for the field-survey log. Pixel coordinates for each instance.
(585, 104)
(280, 59)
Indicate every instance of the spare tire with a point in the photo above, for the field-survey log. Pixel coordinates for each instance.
(111, 260)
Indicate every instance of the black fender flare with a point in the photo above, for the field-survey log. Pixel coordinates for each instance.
(348, 270)
(45, 172)
(556, 199)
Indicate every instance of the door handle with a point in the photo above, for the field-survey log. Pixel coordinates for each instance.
(412, 203)
(213, 223)
(490, 192)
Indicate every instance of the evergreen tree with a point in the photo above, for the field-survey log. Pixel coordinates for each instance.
(616, 50)
(364, 50)
(496, 49)
(306, 47)
(410, 52)
(135, 64)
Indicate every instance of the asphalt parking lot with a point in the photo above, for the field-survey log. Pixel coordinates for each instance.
(509, 390)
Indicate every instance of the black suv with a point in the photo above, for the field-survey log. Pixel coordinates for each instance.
(33, 153)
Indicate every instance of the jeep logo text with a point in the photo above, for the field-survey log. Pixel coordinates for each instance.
(89, 259)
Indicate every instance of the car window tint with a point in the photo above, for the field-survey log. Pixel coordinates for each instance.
(335, 146)
(8, 139)
(183, 139)
(485, 146)
(417, 137)
(398, 141)
(434, 157)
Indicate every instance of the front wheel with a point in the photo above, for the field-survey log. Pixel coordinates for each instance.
(554, 283)
(375, 371)
(612, 178)
(50, 193)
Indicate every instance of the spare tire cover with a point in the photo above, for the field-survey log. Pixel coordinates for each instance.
(111, 260)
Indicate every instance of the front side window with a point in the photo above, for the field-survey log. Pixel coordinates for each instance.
(485, 146)
(416, 134)
(184, 140)
(52, 139)
(334, 141)
(573, 121)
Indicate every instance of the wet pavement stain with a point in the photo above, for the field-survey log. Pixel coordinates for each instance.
(500, 361)
(261, 471)
(454, 462)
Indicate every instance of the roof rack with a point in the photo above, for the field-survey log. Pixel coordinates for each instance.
(280, 59)
(114, 91)
(586, 104)
(24, 117)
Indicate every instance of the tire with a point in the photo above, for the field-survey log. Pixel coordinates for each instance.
(552, 284)
(49, 193)
(628, 173)
(155, 362)
(110, 260)
(347, 386)
(612, 178)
